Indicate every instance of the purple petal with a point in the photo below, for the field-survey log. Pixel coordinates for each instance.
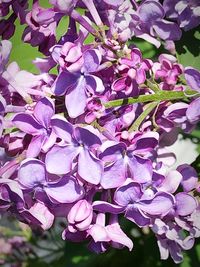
(76, 99)
(62, 128)
(119, 84)
(99, 233)
(32, 173)
(175, 252)
(140, 76)
(12, 187)
(188, 243)
(80, 211)
(113, 2)
(94, 84)
(163, 248)
(49, 141)
(190, 177)
(97, 247)
(136, 57)
(2, 104)
(5, 49)
(161, 204)
(185, 204)
(63, 82)
(193, 111)
(140, 169)
(92, 174)
(56, 52)
(159, 227)
(114, 175)
(167, 30)
(165, 156)
(64, 6)
(27, 124)
(128, 194)
(137, 216)
(92, 59)
(112, 151)
(176, 112)
(43, 111)
(86, 137)
(146, 142)
(75, 237)
(59, 159)
(150, 11)
(188, 19)
(149, 38)
(118, 236)
(102, 206)
(171, 182)
(67, 190)
(40, 215)
(35, 146)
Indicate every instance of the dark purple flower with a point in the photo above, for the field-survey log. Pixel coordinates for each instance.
(4, 8)
(95, 109)
(133, 72)
(38, 125)
(151, 15)
(11, 195)
(79, 86)
(185, 12)
(118, 119)
(41, 30)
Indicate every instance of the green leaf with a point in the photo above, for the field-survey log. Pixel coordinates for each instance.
(148, 50)
(188, 48)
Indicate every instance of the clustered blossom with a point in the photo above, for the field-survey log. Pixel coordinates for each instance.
(70, 150)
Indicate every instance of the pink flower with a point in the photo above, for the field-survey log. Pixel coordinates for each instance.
(167, 69)
(133, 72)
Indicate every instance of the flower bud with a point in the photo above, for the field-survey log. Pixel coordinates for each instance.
(71, 57)
(80, 215)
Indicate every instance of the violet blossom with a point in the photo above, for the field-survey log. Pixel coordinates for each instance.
(186, 13)
(89, 140)
(79, 85)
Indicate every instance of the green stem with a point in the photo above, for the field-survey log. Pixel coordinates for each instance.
(156, 126)
(157, 97)
(153, 86)
(135, 126)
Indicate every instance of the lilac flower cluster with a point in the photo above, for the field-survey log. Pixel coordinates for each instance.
(90, 143)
